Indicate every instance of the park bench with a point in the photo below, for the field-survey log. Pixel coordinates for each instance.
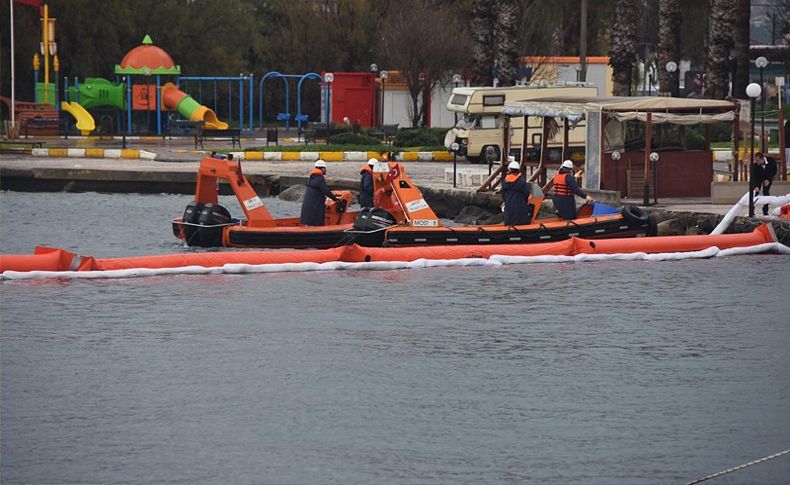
(185, 127)
(44, 125)
(234, 134)
(384, 133)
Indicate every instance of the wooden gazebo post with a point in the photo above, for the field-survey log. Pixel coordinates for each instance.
(736, 134)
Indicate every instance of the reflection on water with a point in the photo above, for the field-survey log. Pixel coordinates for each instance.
(611, 372)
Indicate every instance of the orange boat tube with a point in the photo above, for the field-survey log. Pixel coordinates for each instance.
(50, 262)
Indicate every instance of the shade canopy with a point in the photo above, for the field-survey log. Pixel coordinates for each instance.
(664, 109)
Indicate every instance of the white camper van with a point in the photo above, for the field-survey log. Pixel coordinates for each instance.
(479, 110)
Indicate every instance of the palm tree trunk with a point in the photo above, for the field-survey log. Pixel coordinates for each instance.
(482, 43)
(741, 41)
(505, 36)
(719, 45)
(624, 46)
(668, 44)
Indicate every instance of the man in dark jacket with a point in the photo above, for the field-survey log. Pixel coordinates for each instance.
(315, 195)
(515, 192)
(366, 184)
(565, 187)
(764, 172)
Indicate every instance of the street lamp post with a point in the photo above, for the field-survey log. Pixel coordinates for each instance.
(383, 75)
(671, 68)
(456, 82)
(374, 70)
(654, 159)
(328, 78)
(752, 90)
(454, 149)
(761, 62)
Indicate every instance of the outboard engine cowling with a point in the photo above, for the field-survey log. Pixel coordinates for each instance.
(191, 216)
(372, 219)
(215, 218)
(370, 225)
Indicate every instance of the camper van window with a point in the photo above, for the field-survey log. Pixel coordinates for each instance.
(498, 100)
(488, 122)
(466, 122)
(459, 99)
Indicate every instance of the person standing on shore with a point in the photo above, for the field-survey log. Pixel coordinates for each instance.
(315, 195)
(764, 172)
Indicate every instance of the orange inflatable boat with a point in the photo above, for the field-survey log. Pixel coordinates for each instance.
(401, 217)
(51, 262)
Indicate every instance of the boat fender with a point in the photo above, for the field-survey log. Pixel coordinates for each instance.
(212, 216)
(634, 214)
(191, 216)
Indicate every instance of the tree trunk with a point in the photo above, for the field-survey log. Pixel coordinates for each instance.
(719, 45)
(741, 42)
(624, 46)
(482, 43)
(505, 36)
(583, 42)
(668, 45)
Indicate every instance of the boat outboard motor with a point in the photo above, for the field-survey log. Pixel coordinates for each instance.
(215, 218)
(191, 216)
(370, 225)
(372, 219)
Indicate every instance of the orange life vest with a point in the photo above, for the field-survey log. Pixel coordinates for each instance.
(315, 171)
(512, 177)
(561, 186)
(367, 168)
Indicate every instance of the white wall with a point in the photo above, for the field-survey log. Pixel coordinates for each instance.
(397, 105)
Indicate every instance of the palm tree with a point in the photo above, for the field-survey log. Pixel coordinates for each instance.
(668, 44)
(505, 35)
(741, 41)
(720, 42)
(624, 46)
(482, 43)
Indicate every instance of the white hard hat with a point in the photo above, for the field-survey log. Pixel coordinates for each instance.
(567, 164)
(511, 158)
(372, 162)
(513, 165)
(320, 164)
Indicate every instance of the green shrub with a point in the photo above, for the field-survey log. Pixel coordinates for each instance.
(415, 137)
(352, 139)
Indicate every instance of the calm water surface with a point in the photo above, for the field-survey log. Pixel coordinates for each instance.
(610, 372)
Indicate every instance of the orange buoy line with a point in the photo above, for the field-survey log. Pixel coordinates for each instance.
(51, 262)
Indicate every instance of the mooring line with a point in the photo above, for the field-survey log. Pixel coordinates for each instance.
(729, 470)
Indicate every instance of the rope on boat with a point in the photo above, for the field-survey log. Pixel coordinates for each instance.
(739, 467)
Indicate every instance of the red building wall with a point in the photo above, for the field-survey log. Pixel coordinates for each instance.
(353, 96)
(679, 174)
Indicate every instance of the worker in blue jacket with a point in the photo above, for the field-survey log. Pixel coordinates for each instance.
(565, 187)
(515, 191)
(366, 184)
(315, 196)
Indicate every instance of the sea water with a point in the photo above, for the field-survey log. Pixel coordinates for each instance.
(620, 372)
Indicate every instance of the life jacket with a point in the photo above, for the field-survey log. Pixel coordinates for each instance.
(315, 171)
(512, 177)
(561, 186)
(366, 168)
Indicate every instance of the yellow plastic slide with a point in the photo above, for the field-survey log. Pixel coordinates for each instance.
(85, 122)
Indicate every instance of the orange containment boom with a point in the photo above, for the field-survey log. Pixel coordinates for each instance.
(54, 263)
